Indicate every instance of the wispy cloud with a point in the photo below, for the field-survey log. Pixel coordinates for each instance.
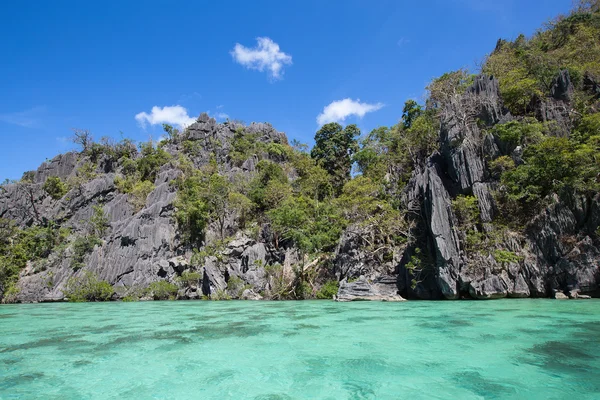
(173, 115)
(339, 110)
(402, 42)
(265, 56)
(26, 119)
(222, 116)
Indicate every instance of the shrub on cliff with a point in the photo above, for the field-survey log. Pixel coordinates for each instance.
(162, 290)
(87, 287)
(55, 187)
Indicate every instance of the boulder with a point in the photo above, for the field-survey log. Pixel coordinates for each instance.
(560, 295)
(490, 288)
(363, 290)
(249, 294)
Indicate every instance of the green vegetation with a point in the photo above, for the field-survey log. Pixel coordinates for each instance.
(190, 278)
(82, 246)
(350, 185)
(87, 287)
(328, 290)
(18, 246)
(55, 187)
(162, 290)
(334, 148)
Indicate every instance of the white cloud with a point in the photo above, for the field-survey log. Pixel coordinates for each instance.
(265, 56)
(222, 116)
(26, 119)
(339, 110)
(173, 115)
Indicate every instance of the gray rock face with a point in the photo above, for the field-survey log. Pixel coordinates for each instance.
(490, 288)
(140, 246)
(249, 294)
(362, 290)
(557, 250)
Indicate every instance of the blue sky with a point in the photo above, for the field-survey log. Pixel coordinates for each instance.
(97, 65)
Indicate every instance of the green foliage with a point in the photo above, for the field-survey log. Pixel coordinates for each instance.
(518, 132)
(140, 192)
(220, 295)
(55, 187)
(137, 189)
(190, 278)
(334, 148)
(98, 221)
(328, 290)
(418, 266)
(552, 165)
(87, 287)
(84, 174)
(152, 158)
(204, 196)
(506, 257)
(28, 177)
(500, 165)
(389, 155)
(83, 246)
(191, 210)
(311, 225)
(128, 167)
(526, 68)
(18, 246)
(363, 203)
(242, 206)
(245, 145)
(269, 186)
(235, 286)
(172, 134)
(411, 111)
(466, 209)
(162, 290)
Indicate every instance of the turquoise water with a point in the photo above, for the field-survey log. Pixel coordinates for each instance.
(506, 349)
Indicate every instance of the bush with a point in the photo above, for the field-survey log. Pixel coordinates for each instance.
(162, 290)
(328, 290)
(82, 246)
(235, 286)
(55, 187)
(190, 278)
(151, 161)
(466, 210)
(506, 257)
(500, 165)
(87, 287)
(140, 192)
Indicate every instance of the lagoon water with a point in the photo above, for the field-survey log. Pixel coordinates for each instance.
(506, 349)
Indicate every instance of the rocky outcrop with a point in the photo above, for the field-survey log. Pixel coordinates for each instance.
(558, 249)
(383, 289)
(559, 252)
(140, 246)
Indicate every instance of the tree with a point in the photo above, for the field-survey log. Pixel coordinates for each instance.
(83, 138)
(172, 133)
(334, 148)
(410, 112)
(217, 200)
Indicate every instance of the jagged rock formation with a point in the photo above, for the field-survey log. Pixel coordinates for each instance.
(144, 245)
(549, 261)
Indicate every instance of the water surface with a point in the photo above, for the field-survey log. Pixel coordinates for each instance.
(507, 349)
